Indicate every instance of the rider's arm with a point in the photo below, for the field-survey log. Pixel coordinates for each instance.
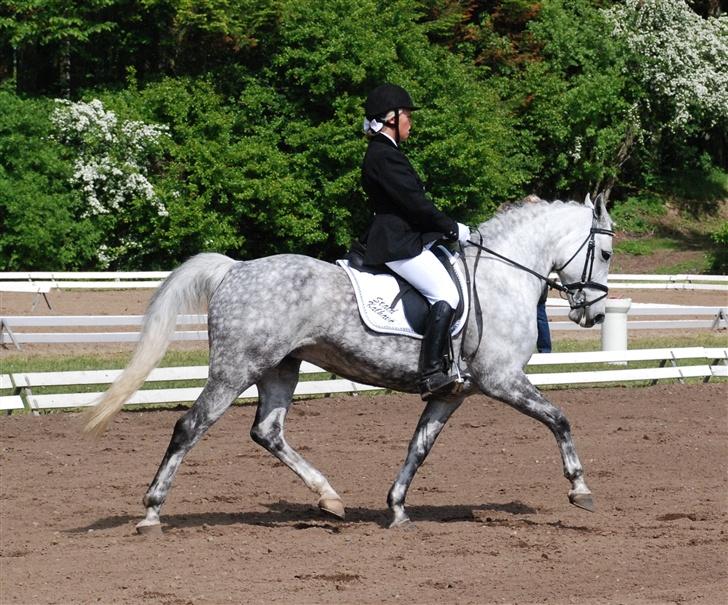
(402, 185)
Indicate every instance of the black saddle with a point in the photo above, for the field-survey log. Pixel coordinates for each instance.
(416, 306)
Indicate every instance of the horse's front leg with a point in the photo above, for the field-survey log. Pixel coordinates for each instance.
(433, 419)
(518, 392)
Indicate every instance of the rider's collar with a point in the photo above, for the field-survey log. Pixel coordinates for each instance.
(390, 138)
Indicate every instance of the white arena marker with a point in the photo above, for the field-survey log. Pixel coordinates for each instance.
(614, 328)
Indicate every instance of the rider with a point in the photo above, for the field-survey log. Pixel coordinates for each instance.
(406, 224)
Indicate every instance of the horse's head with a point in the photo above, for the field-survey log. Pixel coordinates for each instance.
(583, 271)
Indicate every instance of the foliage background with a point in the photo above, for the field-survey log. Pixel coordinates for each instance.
(261, 105)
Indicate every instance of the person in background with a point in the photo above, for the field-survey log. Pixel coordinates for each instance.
(405, 225)
(543, 340)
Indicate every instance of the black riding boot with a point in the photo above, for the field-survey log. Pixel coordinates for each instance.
(434, 377)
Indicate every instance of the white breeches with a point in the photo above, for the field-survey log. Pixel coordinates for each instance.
(427, 274)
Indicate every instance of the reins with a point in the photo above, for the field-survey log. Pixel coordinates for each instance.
(574, 291)
(550, 282)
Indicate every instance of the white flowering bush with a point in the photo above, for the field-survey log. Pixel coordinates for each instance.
(680, 58)
(113, 156)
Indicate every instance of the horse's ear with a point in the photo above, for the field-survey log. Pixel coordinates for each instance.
(600, 206)
(588, 202)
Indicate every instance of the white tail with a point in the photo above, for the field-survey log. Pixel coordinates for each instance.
(187, 290)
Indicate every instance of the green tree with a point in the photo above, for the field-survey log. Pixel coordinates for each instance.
(263, 106)
(39, 210)
(574, 104)
(679, 62)
(61, 46)
(272, 155)
(192, 36)
(325, 60)
(113, 163)
(35, 28)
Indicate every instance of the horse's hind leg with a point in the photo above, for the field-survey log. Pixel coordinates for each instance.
(215, 398)
(520, 394)
(275, 393)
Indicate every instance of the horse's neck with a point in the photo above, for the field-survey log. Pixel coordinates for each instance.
(535, 237)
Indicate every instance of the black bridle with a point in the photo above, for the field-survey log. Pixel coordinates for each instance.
(574, 292)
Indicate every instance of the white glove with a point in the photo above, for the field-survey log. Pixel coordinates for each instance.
(463, 233)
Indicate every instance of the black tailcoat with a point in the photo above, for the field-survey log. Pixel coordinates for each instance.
(404, 218)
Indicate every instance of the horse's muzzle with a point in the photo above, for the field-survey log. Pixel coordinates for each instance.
(577, 315)
(580, 316)
(590, 322)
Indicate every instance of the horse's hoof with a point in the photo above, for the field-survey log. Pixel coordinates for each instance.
(584, 501)
(146, 528)
(403, 524)
(333, 506)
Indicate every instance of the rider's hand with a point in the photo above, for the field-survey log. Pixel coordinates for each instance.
(463, 234)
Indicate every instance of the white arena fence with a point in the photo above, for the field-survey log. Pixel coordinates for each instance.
(700, 316)
(622, 281)
(42, 282)
(19, 329)
(25, 281)
(34, 391)
(30, 390)
(23, 385)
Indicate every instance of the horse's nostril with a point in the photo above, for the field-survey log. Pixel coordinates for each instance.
(599, 318)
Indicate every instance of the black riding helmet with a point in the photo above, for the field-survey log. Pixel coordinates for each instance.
(385, 98)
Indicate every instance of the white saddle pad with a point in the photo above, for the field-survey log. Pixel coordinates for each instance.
(375, 293)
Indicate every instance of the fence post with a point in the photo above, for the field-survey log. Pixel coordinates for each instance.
(614, 328)
(721, 320)
(4, 327)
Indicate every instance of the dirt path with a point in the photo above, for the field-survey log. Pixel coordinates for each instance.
(493, 524)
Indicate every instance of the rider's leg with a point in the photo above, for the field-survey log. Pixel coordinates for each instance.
(426, 273)
(435, 374)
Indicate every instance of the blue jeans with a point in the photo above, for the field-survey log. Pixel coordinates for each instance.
(543, 342)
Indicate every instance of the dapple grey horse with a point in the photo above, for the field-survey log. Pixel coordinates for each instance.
(266, 316)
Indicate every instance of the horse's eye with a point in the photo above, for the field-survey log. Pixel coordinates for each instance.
(606, 255)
